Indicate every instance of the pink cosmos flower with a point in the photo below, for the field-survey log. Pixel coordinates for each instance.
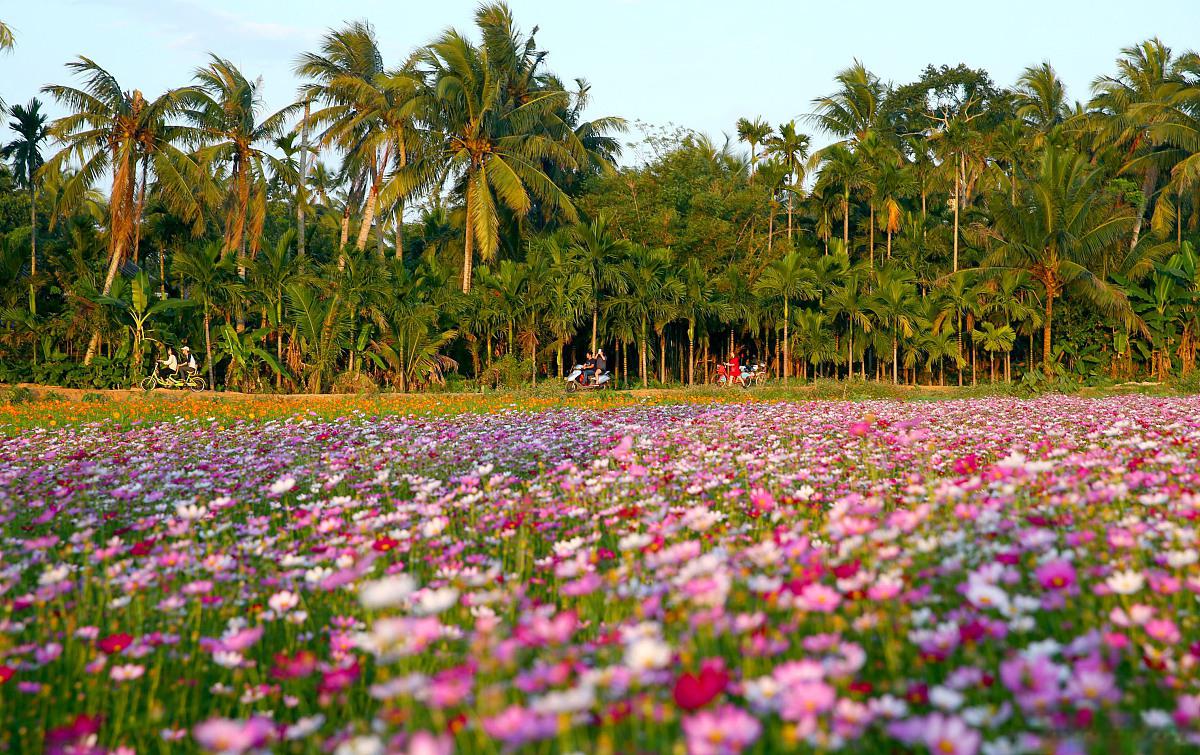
(1056, 575)
(517, 726)
(806, 700)
(223, 735)
(818, 597)
(949, 735)
(726, 730)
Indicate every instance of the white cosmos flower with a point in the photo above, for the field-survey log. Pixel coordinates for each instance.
(283, 601)
(1125, 582)
(387, 592)
(282, 485)
(431, 602)
(647, 654)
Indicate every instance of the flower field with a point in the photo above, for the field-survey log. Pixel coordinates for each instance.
(990, 575)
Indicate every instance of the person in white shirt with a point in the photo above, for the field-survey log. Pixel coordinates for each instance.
(171, 363)
(187, 366)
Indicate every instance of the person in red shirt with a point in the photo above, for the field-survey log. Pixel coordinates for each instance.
(735, 368)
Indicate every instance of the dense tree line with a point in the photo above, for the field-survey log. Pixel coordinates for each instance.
(457, 215)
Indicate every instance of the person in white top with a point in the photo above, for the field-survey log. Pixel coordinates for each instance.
(188, 366)
(171, 363)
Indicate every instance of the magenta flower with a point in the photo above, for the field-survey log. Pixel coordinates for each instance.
(726, 730)
(1056, 575)
(227, 736)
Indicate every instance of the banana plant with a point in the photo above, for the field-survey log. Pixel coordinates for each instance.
(132, 302)
(244, 352)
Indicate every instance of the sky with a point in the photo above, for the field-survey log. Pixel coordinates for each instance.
(696, 63)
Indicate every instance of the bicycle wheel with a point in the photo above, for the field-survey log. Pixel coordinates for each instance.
(148, 383)
(196, 384)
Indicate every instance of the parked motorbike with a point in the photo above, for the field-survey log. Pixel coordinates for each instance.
(575, 381)
(750, 375)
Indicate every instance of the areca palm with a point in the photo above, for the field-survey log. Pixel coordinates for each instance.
(110, 131)
(845, 170)
(225, 109)
(25, 151)
(893, 304)
(207, 283)
(496, 127)
(700, 300)
(600, 253)
(791, 148)
(1061, 224)
(567, 290)
(851, 300)
(891, 183)
(855, 108)
(787, 280)
(651, 291)
(993, 338)
(270, 275)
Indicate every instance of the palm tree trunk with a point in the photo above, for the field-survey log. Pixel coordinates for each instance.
(662, 356)
(642, 357)
(400, 230)
(787, 361)
(1046, 366)
(1148, 184)
(595, 320)
(895, 359)
(691, 353)
(212, 386)
(345, 237)
(846, 220)
(33, 253)
(957, 201)
(137, 218)
(468, 245)
(368, 217)
(302, 185)
(871, 221)
(789, 216)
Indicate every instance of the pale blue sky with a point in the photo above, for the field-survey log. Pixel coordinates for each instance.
(698, 63)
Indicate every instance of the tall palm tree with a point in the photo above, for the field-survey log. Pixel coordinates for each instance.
(699, 301)
(25, 151)
(843, 168)
(225, 109)
(110, 131)
(1041, 99)
(753, 133)
(600, 254)
(1057, 231)
(787, 280)
(893, 304)
(892, 183)
(496, 124)
(855, 108)
(851, 300)
(791, 149)
(1147, 73)
(651, 291)
(368, 110)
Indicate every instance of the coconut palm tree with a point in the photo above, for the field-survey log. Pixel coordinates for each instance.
(111, 131)
(1064, 220)
(225, 109)
(1041, 99)
(367, 109)
(1147, 75)
(25, 151)
(851, 301)
(855, 108)
(787, 280)
(6, 37)
(496, 125)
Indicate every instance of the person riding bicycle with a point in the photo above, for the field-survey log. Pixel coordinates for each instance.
(170, 364)
(187, 366)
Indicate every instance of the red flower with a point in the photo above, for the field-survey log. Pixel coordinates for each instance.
(292, 667)
(81, 727)
(861, 688)
(114, 643)
(142, 547)
(6, 673)
(695, 691)
(384, 544)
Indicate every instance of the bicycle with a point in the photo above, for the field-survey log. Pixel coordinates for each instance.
(193, 382)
